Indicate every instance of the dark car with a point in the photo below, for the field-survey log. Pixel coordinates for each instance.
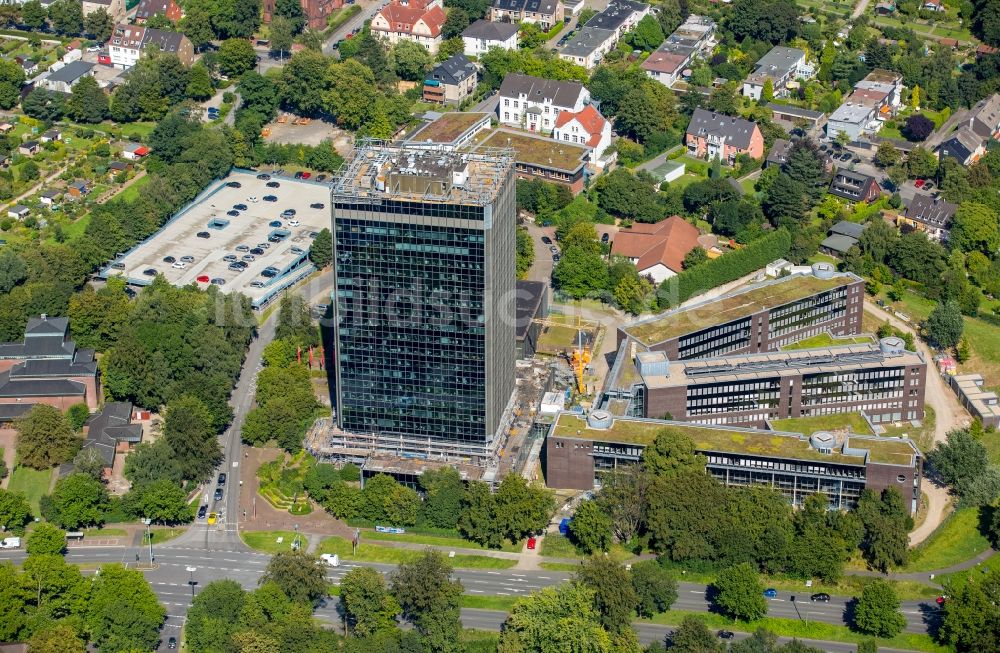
(218, 494)
(242, 248)
(553, 249)
(234, 184)
(605, 237)
(169, 259)
(270, 198)
(172, 643)
(276, 238)
(273, 184)
(287, 213)
(555, 258)
(846, 156)
(726, 634)
(274, 223)
(149, 272)
(822, 597)
(298, 175)
(546, 240)
(240, 207)
(257, 251)
(320, 177)
(262, 176)
(269, 274)
(317, 205)
(320, 604)
(203, 234)
(222, 479)
(203, 511)
(233, 212)
(771, 593)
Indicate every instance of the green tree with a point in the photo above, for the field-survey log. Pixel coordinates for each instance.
(655, 588)
(151, 462)
(921, 162)
(525, 252)
(887, 154)
(887, 521)
(580, 273)
(945, 324)
(14, 511)
(297, 574)
(66, 17)
(214, 614)
(368, 605)
(282, 34)
(976, 227)
(385, 500)
(13, 270)
(236, 56)
(591, 528)
(352, 94)
(77, 415)
(672, 454)
(123, 614)
(46, 539)
(614, 595)
(412, 60)
(199, 87)
(304, 82)
(443, 493)
(429, 599)
(33, 14)
(79, 500)
(188, 432)
(561, 618)
(647, 35)
(767, 93)
(57, 638)
(291, 11)
(321, 250)
(693, 636)
(971, 614)
(960, 459)
(694, 257)
(455, 23)
(44, 438)
(99, 24)
(87, 102)
(740, 594)
(11, 80)
(785, 201)
(646, 109)
(877, 612)
(868, 646)
(162, 501)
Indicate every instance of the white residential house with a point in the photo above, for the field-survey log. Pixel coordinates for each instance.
(483, 35)
(586, 127)
(64, 78)
(533, 103)
(782, 65)
(691, 40)
(419, 21)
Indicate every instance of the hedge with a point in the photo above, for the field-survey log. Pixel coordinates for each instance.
(724, 269)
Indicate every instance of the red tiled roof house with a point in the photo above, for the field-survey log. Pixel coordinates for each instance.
(586, 127)
(714, 135)
(657, 250)
(417, 20)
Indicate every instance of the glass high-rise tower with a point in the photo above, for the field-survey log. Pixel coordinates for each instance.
(424, 249)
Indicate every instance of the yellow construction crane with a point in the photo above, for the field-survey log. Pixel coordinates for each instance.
(579, 357)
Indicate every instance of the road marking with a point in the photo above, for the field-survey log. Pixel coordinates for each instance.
(545, 578)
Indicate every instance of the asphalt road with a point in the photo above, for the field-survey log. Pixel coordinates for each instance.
(368, 9)
(174, 564)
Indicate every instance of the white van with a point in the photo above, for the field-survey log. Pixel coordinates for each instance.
(10, 543)
(331, 559)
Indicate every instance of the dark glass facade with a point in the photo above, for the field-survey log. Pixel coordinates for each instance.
(425, 336)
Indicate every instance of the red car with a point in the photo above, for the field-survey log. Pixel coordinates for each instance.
(919, 183)
(306, 175)
(941, 600)
(531, 543)
(203, 278)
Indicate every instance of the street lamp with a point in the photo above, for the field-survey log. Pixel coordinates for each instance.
(149, 537)
(191, 581)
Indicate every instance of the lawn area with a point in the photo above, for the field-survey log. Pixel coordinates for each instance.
(826, 340)
(104, 532)
(132, 192)
(390, 555)
(558, 546)
(685, 180)
(969, 575)
(433, 540)
(956, 540)
(559, 566)
(853, 421)
(801, 629)
(140, 130)
(266, 541)
(163, 534)
(992, 442)
(32, 482)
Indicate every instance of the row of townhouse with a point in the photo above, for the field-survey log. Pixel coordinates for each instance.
(603, 31)
(782, 66)
(693, 39)
(875, 99)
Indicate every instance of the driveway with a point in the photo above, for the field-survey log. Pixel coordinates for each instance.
(939, 134)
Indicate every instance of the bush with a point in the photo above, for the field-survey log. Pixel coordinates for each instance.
(724, 269)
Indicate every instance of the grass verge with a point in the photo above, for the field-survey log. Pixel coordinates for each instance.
(559, 566)
(435, 540)
(32, 482)
(163, 534)
(389, 555)
(801, 630)
(956, 540)
(558, 546)
(104, 532)
(267, 541)
(483, 602)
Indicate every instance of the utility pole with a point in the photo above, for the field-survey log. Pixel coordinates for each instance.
(191, 581)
